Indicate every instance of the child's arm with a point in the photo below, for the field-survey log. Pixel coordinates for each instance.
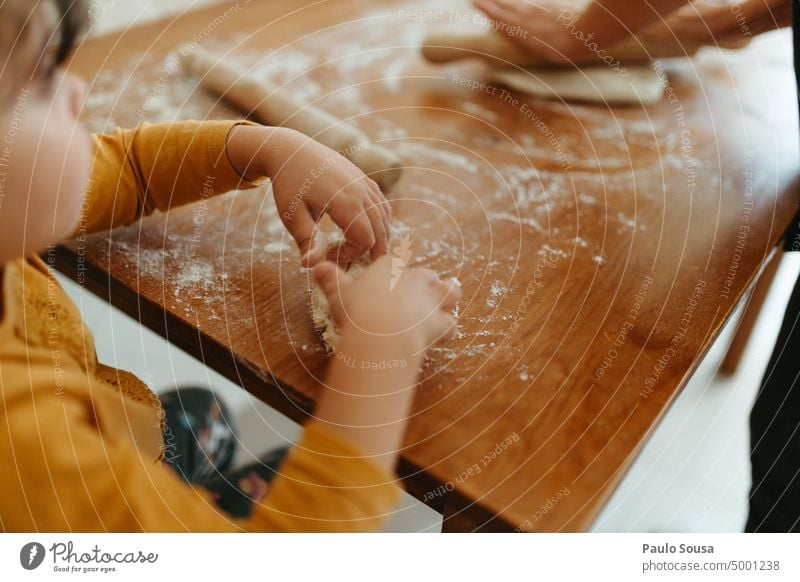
(388, 324)
(135, 172)
(156, 167)
(65, 471)
(72, 472)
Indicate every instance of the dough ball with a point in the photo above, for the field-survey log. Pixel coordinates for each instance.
(327, 330)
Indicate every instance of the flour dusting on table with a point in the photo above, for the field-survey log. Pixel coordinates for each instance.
(539, 176)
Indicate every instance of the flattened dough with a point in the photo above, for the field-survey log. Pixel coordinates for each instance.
(597, 84)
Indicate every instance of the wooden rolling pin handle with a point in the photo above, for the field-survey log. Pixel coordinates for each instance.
(275, 106)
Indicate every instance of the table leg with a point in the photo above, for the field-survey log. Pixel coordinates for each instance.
(751, 312)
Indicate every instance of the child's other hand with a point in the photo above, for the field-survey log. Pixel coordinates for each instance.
(391, 307)
(310, 180)
(389, 316)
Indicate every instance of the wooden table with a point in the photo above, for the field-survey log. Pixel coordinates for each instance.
(601, 250)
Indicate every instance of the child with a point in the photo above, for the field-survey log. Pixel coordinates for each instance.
(81, 443)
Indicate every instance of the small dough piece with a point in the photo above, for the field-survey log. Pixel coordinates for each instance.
(596, 84)
(329, 333)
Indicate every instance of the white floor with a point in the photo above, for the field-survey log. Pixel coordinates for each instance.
(692, 476)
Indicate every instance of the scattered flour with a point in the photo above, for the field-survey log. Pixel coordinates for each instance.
(340, 66)
(480, 111)
(517, 219)
(497, 291)
(423, 154)
(278, 246)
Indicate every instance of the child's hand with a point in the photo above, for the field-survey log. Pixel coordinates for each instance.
(310, 180)
(389, 316)
(402, 310)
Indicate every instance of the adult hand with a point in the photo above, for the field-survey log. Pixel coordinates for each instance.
(718, 23)
(541, 28)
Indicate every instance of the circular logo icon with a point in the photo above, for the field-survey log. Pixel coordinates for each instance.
(31, 555)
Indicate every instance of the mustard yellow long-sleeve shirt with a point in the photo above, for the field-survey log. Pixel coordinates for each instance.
(80, 442)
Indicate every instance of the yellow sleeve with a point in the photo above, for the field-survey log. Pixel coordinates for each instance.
(326, 485)
(136, 171)
(62, 473)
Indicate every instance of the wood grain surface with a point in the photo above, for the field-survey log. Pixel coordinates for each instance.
(600, 250)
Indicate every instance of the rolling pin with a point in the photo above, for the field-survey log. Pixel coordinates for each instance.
(275, 106)
(445, 47)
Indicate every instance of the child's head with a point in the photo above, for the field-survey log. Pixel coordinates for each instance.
(44, 151)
